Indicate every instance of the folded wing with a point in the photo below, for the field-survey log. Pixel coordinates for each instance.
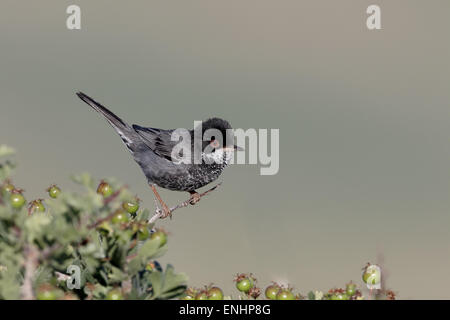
(159, 140)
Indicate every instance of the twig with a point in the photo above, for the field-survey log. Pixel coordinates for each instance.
(99, 221)
(61, 276)
(160, 215)
(114, 195)
(106, 202)
(31, 254)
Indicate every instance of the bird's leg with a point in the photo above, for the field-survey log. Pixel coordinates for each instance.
(165, 209)
(195, 197)
(165, 212)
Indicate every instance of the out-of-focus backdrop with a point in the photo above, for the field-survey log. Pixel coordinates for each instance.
(364, 121)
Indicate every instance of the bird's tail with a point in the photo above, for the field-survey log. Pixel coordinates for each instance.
(127, 133)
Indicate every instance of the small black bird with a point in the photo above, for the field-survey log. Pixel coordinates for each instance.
(152, 150)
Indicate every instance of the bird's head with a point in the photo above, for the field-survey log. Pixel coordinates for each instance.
(218, 141)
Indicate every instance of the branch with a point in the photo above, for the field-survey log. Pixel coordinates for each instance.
(114, 195)
(31, 262)
(159, 213)
(105, 203)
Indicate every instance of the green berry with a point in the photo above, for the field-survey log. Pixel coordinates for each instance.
(36, 206)
(350, 289)
(161, 236)
(201, 296)
(47, 292)
(120, 217)
(215, 293)
(105, 228)
(114, 294)
(339, 296)
(244, 285)
(104, 189)
(143, 233)
(16, 199)
(285, 294)
(131, 207)
(8, 186)
(54, 191)
(188, 297)
(271, 292)
(46, 295)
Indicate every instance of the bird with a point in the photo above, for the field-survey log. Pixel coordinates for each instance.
(152, 149)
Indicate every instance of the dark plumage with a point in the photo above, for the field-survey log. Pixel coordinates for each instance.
(152, 150)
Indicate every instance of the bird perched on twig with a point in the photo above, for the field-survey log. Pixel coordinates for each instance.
(152, 150)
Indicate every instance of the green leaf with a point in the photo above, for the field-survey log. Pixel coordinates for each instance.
(167, 285)
(67, 234)
(116, 275)
(150, 249)
(35, 226)
(143, 215)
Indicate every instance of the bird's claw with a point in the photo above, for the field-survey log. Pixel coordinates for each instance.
(167, 213)
(195, 197)
(164, 212)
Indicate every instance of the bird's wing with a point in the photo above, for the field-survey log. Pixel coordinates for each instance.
(159, 140)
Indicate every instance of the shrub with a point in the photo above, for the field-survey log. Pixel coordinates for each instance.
(47, 246)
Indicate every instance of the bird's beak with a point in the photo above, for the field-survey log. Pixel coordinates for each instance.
(237, 148)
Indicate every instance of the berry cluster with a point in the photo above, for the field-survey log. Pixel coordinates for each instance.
(103, 233)
(106, 235)
(246, 285)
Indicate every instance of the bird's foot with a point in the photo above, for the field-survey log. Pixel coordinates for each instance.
(195, 197)
(165, 211)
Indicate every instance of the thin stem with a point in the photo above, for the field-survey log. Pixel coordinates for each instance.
(159, 214)
(31, 254)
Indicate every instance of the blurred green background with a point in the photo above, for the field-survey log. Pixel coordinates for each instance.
(364, 123)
